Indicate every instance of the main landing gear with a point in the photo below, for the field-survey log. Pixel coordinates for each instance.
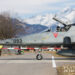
(70, 51)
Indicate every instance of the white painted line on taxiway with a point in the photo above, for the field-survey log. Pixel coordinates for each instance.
(53, 62)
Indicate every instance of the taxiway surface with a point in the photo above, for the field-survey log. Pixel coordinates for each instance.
(28, 65)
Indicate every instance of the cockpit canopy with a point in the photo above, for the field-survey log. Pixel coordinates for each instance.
(58, 29)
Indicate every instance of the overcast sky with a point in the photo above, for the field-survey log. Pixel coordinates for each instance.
(28, 8)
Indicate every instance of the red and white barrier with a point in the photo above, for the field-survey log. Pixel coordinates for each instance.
(35, 48)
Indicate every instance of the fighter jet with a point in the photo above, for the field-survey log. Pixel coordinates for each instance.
(55, 36)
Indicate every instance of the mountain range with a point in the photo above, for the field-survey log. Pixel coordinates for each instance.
(67, 14)
(39, 23)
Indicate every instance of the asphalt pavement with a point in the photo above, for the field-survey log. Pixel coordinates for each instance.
(28, 65)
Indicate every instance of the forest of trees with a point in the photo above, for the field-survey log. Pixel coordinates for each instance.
(7, 26)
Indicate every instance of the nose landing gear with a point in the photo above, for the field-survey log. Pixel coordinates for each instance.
(39, 57)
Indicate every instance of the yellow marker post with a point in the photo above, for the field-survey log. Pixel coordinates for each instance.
(1, 46)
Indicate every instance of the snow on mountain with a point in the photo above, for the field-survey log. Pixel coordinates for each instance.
(71, 17)
(45, 20)
(67, 15)
(65, 11)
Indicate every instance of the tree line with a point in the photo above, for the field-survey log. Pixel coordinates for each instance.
(7, 26)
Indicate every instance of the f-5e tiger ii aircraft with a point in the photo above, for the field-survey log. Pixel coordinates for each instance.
(55, 36)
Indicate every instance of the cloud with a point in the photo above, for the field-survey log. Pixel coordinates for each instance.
(33, 6)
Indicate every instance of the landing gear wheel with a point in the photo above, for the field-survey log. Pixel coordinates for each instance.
(39, 57)
(67, 42)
